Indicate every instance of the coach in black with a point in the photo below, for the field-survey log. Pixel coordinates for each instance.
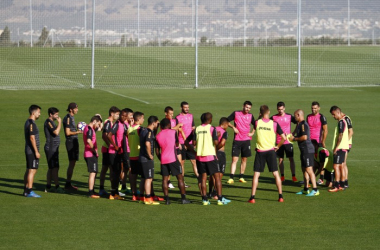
(32, 150)
(72, 144)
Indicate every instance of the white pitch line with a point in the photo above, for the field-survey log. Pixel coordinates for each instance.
(111, 92)
(65, 79)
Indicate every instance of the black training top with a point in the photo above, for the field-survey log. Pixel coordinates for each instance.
(304, 129)
(69, 122)
(30, 128)
(52, 140)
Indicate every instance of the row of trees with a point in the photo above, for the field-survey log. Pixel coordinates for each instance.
(45, 40)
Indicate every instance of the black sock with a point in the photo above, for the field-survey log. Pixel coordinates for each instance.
(147, 196)
(91, 192)
(220, 198)
(305, 188)
(183, 196)
(28, 190)
(280, 196)
(113, 192)
(337, 184)
(315, 189)
(252, 197)
(341, 183)
(293, 175)
(48, 186)
(166, 197)
(241, 176)
(68, 184)
(232, 176)
(321, 177)
(56, 186)
(141, 195)
(153, 194)
(101, 187)
(204, 198)
(282, 175)
(346, 182)
(169, 182)
(123, 186)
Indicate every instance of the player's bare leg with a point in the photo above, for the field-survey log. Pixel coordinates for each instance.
(278, 181)
(311, 174)
(255, 183)
(281, 166)
(195, 169)
(30, 178)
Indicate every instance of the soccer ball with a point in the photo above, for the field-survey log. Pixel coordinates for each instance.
(81, 126)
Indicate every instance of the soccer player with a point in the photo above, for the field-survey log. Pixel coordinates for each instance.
(340, 147)
(51, 149)
(108, 157)
(166, 150)
(91, 153)
(72, 144)
(302, 136)
(32, 150)
(350, 134)
(241, 144)
(221, 155)
(116, 150)
(285, 121)
(146, 158)
(125, 163)
(134, 146)
(318, 128)
(169, 113)
(323, 162)
(205, 140)
(187, 121)
(266, 130)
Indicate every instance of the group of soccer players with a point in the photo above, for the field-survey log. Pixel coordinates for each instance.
(128, 150)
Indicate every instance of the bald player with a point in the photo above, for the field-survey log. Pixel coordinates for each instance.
(302, 136)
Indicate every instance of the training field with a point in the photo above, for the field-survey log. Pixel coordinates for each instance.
(174, 67)
(348, 219)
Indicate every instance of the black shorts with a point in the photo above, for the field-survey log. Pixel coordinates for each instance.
(173, 168)
(72, 147)
(52, 158)
(285, 149)
(209, 167)
(106, 159)
(241, 147)
(178, 151)
(307, 160)
(125, 160)
(329, 176)
(222, 160)
(135, 167)
(268, 157)
(339, 157)
(92, 164)
(147, 169)
(31, 161)
(187, 154)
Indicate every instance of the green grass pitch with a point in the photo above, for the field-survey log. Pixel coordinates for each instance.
(348, 219)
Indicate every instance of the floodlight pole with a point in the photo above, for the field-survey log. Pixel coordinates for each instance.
(85, 23)
(138, 23)
(349, 24)
(196, 44)
(299, 43)
(245, 22)
(31, 23)
(93, 46)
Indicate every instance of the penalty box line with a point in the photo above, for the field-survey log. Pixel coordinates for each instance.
(129, 97)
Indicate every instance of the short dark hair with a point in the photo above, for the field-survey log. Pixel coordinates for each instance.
(33, 108)
(280, 104)
(184, 103)
(165, 123)
(96, 118)
(52, 111)
(315, 103)
(152, 119)
(263, 110)
(167, 109)
(334, 108)
(247, 103)
(205, 117)
(137, 115)
(128, 110)
(113, 109)
(223, 120)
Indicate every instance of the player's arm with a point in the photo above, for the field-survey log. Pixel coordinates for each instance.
(89, 141)
(68, 132)
(350, 129)
(58, 129)
(106, 130)
(157, 149)
(253, 123)
(230, 119)
(34, 145)
(340, 136)
(280, 133)
(190, 138)
(149, 149)
(110, 136)
(302, 136)
(324, 130)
